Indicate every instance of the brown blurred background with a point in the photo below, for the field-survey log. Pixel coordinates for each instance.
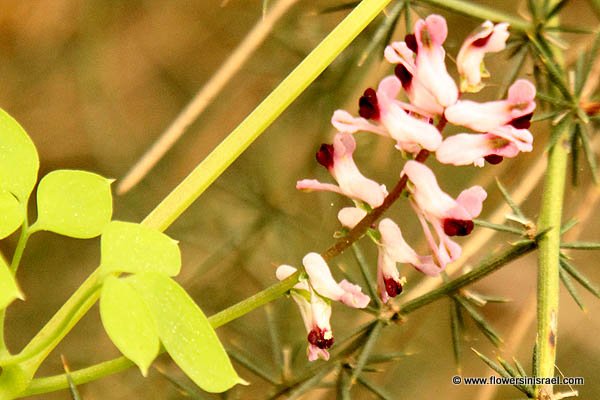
(95, 83)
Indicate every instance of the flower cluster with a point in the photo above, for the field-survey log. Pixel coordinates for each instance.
(500, 129)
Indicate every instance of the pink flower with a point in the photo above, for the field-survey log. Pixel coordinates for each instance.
(313, 297)
(465, 149)
(322, 281)
(516, 110)
(316, 313)
(394, 249)
(351, 216)
(337, 158)
(447, 216)
(488, 38)
(390, 119)
(421, 66)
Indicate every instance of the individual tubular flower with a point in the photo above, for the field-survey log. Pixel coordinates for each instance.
(322, 281)
(349, 217)
(390, 119)
(488, 38)
(337, 158)
(313, 297)
(465, 149)
(516, 110)
(421, 66)
(394, 249)
(447, 216)
(315, 312)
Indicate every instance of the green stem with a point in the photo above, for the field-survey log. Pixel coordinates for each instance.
(472, 9)
(548, 260)
(263, 297)
(263, 115)
(95, 372)
(58, 382)
(486, 267)
(14, 265)
(20, 249)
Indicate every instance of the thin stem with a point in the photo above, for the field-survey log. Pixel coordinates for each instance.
(85, 375)
(359, 230)
(23, 238)
(472, 9)
(548, 259)
(22, 242)
(486, 267)
(263, 297)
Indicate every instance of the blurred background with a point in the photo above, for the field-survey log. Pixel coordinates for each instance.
(95, 84)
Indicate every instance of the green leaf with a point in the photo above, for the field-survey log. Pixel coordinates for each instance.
(588, 151)
(497, 227)
(514, 206)
(457, 334)
(492, 364)
(186, 333)
(73, 203)
(556, 9)
(564, 277)
(366, 351)
(134, 248)
(558, 129)
(578, 276)
(9, 290)
(129, 322)
(378, 391)
(581, 245)
(11, 213)
(591, 58)
(528, 390)
(19, 162)
(481, 322)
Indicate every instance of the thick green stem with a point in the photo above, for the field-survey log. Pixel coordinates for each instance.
(485, 268)
(548, 260)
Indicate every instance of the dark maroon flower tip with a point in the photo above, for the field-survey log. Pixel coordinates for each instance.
(411, 42)
(523, 122)
(368, 107)
(458, 227)
(392, 287)
(482, 41)
(325, 155)
(404, 75)
(316, 337)
(493, 159)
